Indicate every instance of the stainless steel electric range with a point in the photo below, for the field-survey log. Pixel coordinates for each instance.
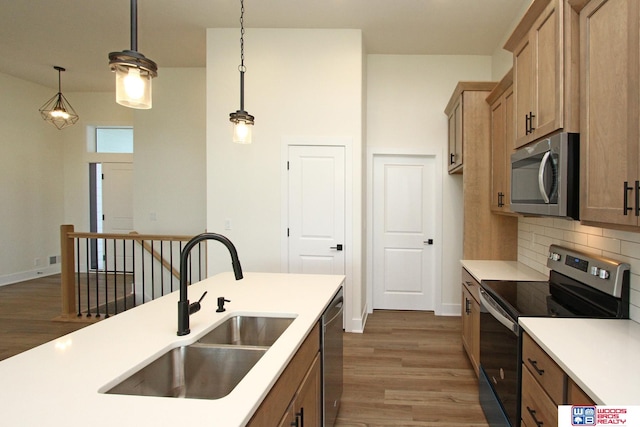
(579, 285)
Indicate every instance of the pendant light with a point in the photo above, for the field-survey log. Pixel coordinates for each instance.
(242, 121)
(57, 110)
(133, 71)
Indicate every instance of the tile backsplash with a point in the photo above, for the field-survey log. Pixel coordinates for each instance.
(536, 234)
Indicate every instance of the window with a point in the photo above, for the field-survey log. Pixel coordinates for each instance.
(114, 140)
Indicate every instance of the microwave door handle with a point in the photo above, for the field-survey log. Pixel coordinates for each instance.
(543, 165)
(497, 312)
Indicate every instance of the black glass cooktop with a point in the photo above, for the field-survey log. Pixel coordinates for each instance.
(520, 298)
(560, 297)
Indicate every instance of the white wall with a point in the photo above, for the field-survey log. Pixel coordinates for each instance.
(502, 60)
(298, 83)
(406, 97)
(31, 182)
(169, 160)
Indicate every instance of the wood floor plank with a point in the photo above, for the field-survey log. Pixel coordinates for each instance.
(408, 369)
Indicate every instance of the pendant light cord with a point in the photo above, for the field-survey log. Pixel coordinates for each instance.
(242, 68)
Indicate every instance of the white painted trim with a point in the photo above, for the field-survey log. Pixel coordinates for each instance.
(29, 275)
(371, 153)
(450, 310)
(347, 143)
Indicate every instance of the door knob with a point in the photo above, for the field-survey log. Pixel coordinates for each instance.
(428, 242)
(338, 247)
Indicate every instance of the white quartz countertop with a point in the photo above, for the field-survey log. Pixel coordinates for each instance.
(600, 355)
(501, 270)
(59, 383)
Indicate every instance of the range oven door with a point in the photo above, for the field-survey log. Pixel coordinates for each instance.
(499, 364)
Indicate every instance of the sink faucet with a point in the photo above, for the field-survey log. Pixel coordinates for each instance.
(184, 308)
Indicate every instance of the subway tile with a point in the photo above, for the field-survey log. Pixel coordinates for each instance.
(604, 243)
(630, 249)
(622, 235)
(563, 224)
(573, 237)
(580, 228)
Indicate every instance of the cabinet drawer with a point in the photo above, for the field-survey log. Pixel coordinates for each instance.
(550, 376)
(576, 396)
(537, 407)
(471, 284)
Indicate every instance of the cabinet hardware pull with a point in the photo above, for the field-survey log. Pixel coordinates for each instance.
(626, 207)
(452, 158)
(500, 199)
(527, 120)
(467, 305)
(531, 128)
(534, 363)
(637, 198)
(301, 415)
(468, 283)
(533, 415)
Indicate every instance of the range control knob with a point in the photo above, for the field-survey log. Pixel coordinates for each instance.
(595, 271)
(604, 274)
(554, 256)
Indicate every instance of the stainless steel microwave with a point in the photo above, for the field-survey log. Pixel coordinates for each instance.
(545, 178)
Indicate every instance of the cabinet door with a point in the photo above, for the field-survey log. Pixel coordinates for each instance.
(510, 138)
(308, 400)
(455, 137)
(471, 328)
(523, 83)
(547, 69)
(609, 112)
(502, 139)
(498, 154)
(289, 419)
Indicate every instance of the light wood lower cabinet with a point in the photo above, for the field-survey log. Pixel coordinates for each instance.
(471, 319)
(545, 386)
(297, 393)
(304, 410)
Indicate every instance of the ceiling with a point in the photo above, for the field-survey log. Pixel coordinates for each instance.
(35, 35)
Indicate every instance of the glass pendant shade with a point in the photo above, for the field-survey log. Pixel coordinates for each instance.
(133, 87)
(133, 71)
(57, 110)
(242, 132)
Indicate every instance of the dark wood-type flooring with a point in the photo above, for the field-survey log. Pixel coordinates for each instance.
(406, 369)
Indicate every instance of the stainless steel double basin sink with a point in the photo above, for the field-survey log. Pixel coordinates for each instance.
(211, 367)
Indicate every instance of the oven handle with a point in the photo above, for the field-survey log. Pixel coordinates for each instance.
(543, 165)
(496, 311)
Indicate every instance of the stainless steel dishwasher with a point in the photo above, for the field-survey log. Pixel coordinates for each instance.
(331, 344)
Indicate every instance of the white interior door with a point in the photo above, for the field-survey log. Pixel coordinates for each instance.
(117, 205)
(404, 252)
(316, 209)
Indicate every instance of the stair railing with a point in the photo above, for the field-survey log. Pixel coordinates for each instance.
(107, 273)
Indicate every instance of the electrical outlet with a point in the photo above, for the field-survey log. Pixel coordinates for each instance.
(36, 262)
(53, 260)
(227, 224)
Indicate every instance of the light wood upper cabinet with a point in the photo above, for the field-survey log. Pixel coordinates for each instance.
(610, 98)
(545, 73)
(464, 115)
(485, 235)
(502, 137)
(455, 137)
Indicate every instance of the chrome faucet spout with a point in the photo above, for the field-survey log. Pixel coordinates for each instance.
(184, 309)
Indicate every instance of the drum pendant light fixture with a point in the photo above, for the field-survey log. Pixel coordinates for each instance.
(57, 110)
(242, 121)
(133, 71)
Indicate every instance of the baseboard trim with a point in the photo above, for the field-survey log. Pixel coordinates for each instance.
(449, 310)
(10, 279)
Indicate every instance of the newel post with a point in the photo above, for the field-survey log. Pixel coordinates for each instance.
(68, 272)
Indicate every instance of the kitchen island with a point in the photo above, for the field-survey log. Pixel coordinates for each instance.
(63, 382)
